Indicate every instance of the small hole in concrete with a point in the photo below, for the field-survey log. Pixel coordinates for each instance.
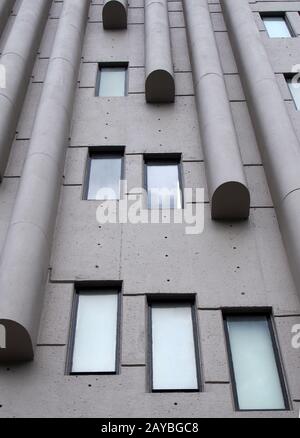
(7, 369)
(0, 406)
(175, 404)
(168, 281)
(238, 267)
(90, 386)
(97, 267)
(167, 255)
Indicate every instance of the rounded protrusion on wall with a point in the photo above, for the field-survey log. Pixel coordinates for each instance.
(114, 14)
(230, 201)
(15, 342)
(160, 87)
(159, 76)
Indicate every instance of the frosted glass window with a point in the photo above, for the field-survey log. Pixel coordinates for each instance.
(277, 27)
(256, 374)
(112, 81)
(295, 91)
(95, 340)
(104, 179)
(163, 186)
(174, 365)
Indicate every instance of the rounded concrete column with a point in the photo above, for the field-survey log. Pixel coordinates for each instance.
(114, 14)
(5, 10)
(17, 59)
(226, 180)
(277, 139)
(160, 84)
(25, 256)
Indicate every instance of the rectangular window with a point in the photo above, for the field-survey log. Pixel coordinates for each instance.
(111, 80)
(173, 349)
(164, 184)
(104, 175)
(294, 88)
(256, 371)
(96, 332)
(277, 26)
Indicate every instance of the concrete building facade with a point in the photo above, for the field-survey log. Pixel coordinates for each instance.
(207, 86)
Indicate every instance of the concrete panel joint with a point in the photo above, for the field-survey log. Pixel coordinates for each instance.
(114, 14)
(159, 81)
(227, 186)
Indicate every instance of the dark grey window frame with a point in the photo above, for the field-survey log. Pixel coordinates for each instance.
(277, 354)
(81, 287)
(161, 159)
(107, 152)
(101, 65)
(173, 299)
(287, 77)
(278, 14)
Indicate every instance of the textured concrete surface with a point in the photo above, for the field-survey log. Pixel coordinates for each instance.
(237, 265)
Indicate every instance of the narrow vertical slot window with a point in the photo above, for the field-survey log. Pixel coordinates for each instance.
(111, 81)
(173, 347)
(277, 26)
(294, 88)
(164, 184)
(104, 175)
(95, 333)
(256, 371)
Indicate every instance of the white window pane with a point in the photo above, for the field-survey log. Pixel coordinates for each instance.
(295, 92)
(105, 178)
(277, 27)
(96, 333)
(256, 374)
(163, 186)
(173, 348)
(112, 81)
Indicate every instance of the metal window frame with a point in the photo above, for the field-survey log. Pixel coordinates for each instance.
(102, 65)
(162, 159)
(288, 77)
(171, 300)
(102, 287)
(105, 152)
(277, 355)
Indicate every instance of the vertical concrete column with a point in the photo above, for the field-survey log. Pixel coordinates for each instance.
(160, 84)
(226, 180)
(5, 10)
(25, 256)
(114, 14)
(18, 59)
(277, 139)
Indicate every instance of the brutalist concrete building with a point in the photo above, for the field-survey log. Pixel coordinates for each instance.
(187, 303)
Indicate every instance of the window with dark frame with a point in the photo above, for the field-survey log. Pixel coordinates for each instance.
(277, 25)
(294, 87)
(256, 371)
(104, 175)
(112, 80)
(164, 182)
(173, 349)
(94, 342)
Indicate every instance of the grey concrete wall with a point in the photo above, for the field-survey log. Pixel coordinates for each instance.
(231, 265)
